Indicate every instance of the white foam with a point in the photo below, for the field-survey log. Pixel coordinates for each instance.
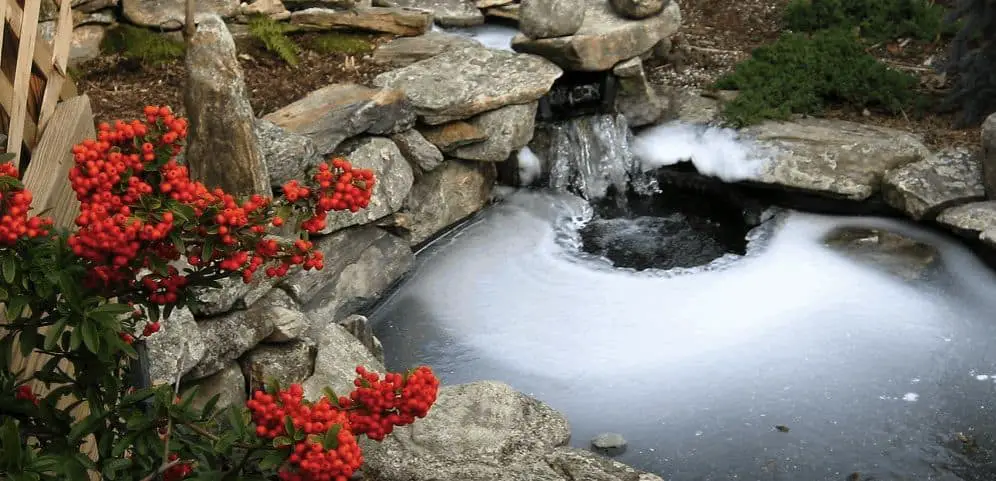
(530, 166)
(714, 151)
(497, 37)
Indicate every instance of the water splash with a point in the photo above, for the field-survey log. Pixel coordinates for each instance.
(591, 155)
(530, 167)
(714, 151)
(497, 37)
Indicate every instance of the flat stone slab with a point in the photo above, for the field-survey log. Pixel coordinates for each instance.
(973, 218)
(832, 157)
(398, 21)
(604, 39)
(946, 179)
(464, 82)
(404, 51)
(449, 13)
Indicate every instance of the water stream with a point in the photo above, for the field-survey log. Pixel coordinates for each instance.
(696, 366)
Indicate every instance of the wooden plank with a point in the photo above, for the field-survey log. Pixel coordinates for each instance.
(60, 55)
(48, 174)
(43, 52)
(26, 31)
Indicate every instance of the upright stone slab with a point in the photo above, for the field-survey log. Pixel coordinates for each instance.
(989, 155)
(635, 98)
(222, 147)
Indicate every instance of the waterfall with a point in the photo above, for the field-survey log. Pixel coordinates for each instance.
(590, 155)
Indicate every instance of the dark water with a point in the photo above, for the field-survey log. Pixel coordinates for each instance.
(695, 367)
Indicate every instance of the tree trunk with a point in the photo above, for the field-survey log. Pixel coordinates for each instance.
(188, 24)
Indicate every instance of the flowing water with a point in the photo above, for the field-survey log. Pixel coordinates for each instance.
(786, 361)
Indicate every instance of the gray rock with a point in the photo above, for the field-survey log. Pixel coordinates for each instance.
(222, 148)
(228, 384)
(482, 4)
(970, 219)
(359, 326)
(989, 155)
(550, 18)
(691, 106)
(393, 180)
(274, 9)
(101, 17)
(360, 262)
(404, 22)
(233, 294)
(479, 431)
(288, 324)
(448, 13)
(404, 51)
(170, 14)
(604, 38)
(288, 363)
(638, 9)
(508, 129)
(833, 157)
(448, 194)
(504, 12)
(897, 254)
(452, 135)
(362, 282)
(635, 98)
(571, 464)
(341, 4)
(335, 113)
(231, 335)
(608, 441)
(339, 353)
(85, 44)
(288, 155)
(90, 6)
(418, 150)
(923, 189)
(461, 83)
(175, 349)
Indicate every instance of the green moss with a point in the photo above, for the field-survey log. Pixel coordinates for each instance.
(337, 42)
(803, 74)
(143, 45)
(273, 35)
(877, 20)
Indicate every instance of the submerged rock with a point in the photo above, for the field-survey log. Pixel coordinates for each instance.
(464, 82)
(833, 157)
(922, 189)
(609, 443)
(604, 39)
(895, 253)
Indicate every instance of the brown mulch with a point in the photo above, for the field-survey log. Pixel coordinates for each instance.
(717, 34)
(119, 88)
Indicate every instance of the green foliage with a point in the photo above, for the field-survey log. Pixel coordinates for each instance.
(337, 42)
(143, 45)
(273, 35)
(878, 20)
(804, 74)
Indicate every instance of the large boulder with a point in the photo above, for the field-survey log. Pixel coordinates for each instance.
(635, 98)
(833, 157)
(989, 155)
(404, 22)
(170, 14)
(487, 431)
(288, 155)
(604, 38)
(638, 9)
(222, 148)
(550, 18)
(339, 353)
(448, 13)
(332, 114)
(448, 194)
(922, 189)
(393, 180)
(507, 129)
(175, 349)
(464, 82)
(404, 51)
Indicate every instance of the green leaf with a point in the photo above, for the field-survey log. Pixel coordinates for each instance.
(188, 398)
(88, 425)
(235, 420)
(209, 406)
(75, 339)
(3, 294)
(281, 441)
(15, 307)
(111, 467)
(91, 337)
(208, 250)
(54, 331)
(154, 313)
(138, 396)
(331, 440)
(272, 460)
(225, 442)
(9, 268)
(289, 425)
(333, 398)
(29, 341)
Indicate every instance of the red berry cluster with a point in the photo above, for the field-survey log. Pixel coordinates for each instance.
(314, 458)
(14, 204)
(177, 471)
(377, 405)
(340, 187)
(24, 393)
(329, 451)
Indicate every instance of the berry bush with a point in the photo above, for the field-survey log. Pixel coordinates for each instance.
(85, 300)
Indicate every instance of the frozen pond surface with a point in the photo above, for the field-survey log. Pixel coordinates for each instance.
(871, 373)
